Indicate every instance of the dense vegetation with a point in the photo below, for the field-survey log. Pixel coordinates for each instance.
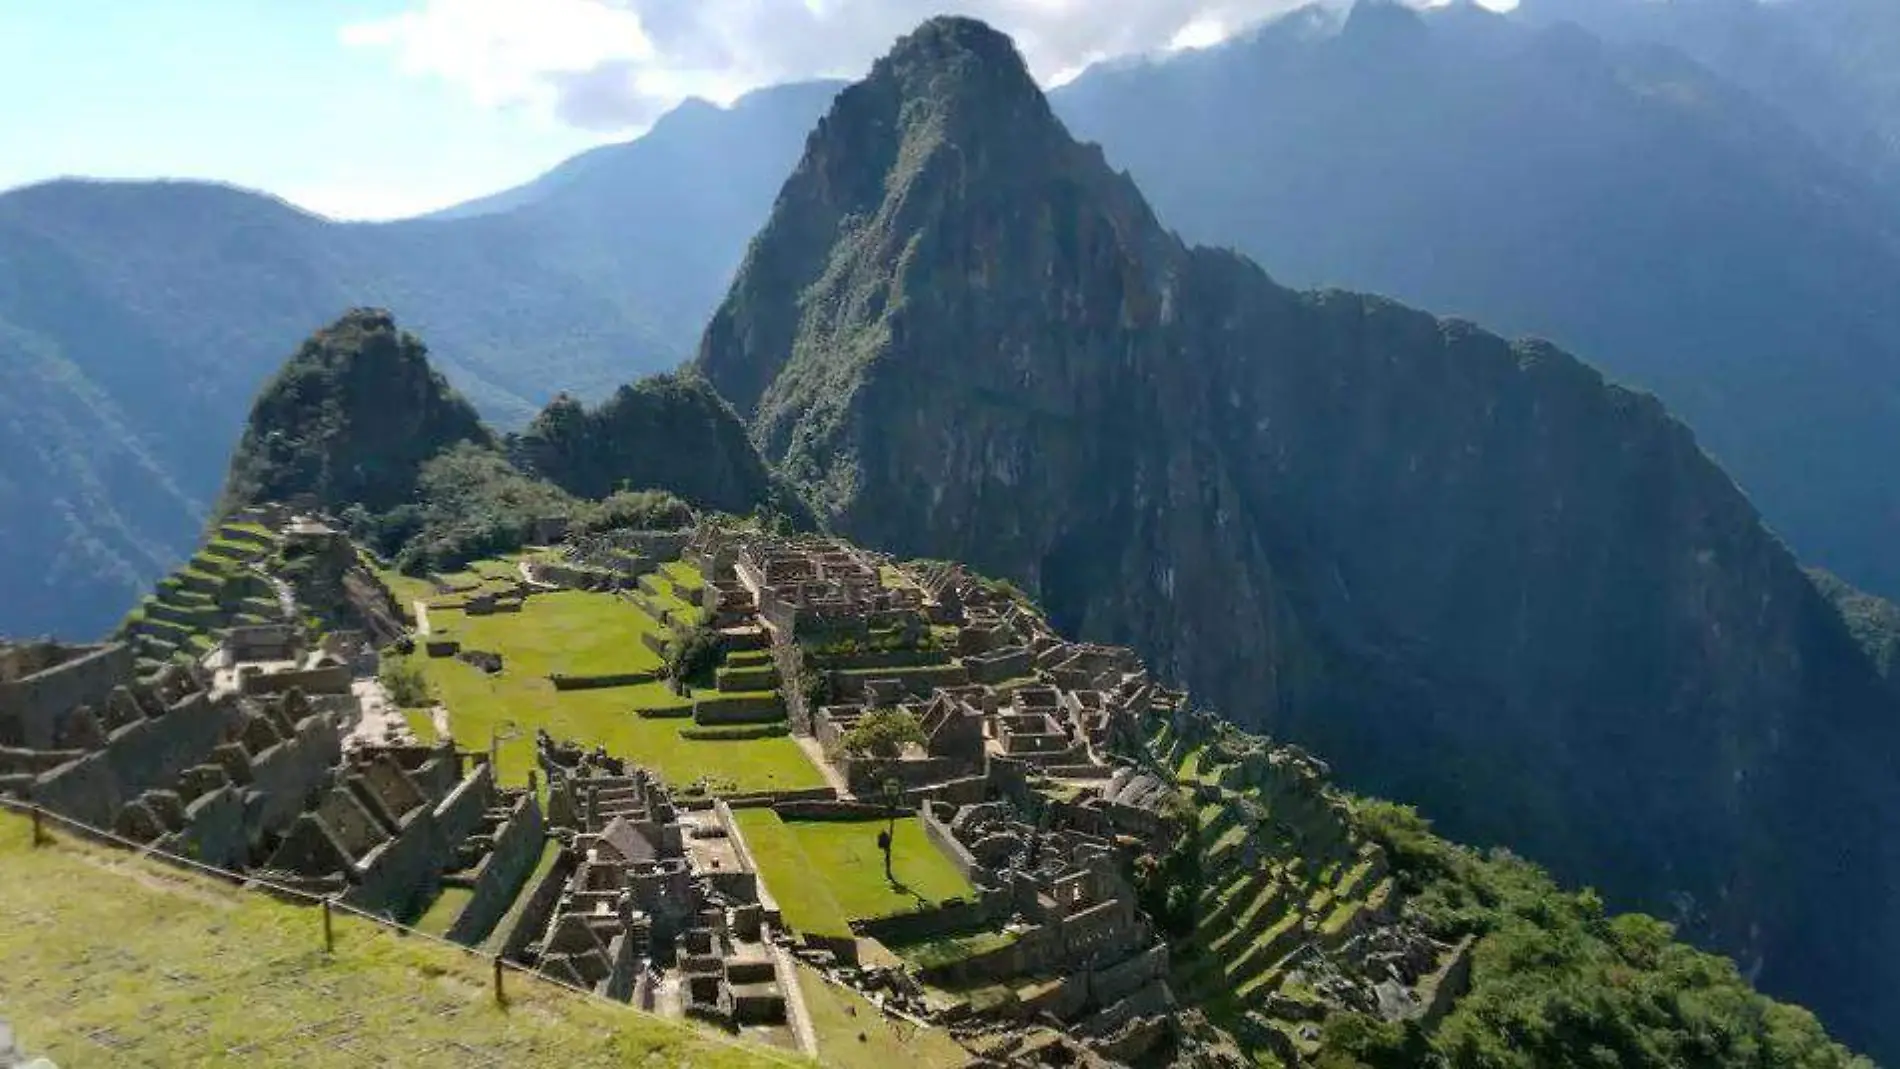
(1558, 982)
(666, 430)
(359, 424)
(1473, 573)
(1874, 622)
(350, 420)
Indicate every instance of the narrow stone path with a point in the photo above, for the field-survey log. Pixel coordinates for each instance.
(527, 576)
(421, 609)
(817, 755)
(796, 1015)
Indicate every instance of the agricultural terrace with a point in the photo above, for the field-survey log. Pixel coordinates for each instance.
(576, 633)
(827, 873)
(153, 966)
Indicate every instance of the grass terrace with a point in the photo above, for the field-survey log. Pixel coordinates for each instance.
(827, 873)
(152, 966)
(577, 633)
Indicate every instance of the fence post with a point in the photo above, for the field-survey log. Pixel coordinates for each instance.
(329, 933)
(501, 999)
(39, 828)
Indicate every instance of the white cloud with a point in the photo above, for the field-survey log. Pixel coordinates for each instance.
(615, 65)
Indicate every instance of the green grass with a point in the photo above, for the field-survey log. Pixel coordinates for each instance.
(852, 1034)
(154, 967)
(825, 873)
(944, 950)
(406, 588)
(569, 632)
(591, 634)
(441, 914)
(684, 574)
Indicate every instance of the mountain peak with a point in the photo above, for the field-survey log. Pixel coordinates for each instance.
(951, 67)
(350, 419)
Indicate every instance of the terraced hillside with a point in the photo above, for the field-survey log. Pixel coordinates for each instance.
(217, 588)
(1285, 879)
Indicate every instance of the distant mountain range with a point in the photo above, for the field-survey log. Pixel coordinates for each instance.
(138, 320)
(1679, 225)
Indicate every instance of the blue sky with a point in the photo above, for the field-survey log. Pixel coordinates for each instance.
(383, 108)
(263, 93)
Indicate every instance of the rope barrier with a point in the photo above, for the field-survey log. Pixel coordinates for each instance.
(40, 815)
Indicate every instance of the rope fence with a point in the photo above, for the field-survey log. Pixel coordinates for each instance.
(44, 821)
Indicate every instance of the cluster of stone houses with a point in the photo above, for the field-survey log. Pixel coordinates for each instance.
(652, 904)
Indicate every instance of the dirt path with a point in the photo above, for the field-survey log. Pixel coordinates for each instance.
(817, 755)
(379, 714)
(421, 609)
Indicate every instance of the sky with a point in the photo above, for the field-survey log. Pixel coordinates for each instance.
(376, 109)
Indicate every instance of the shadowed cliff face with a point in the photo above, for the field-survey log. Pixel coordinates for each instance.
(1469, 572)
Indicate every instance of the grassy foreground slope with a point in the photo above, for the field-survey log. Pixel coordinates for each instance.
(114, 960)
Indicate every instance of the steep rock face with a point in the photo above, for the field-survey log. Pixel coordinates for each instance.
(669, 432)
(350, 420)
(1647, 215)
(1469, 572)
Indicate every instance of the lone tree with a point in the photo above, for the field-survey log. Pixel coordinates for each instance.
(880, 737)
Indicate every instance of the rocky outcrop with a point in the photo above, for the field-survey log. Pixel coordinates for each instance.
(349, 420)
(1470, 572)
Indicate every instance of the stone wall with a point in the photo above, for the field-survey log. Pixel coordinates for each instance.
(142, 755)
(460, 812)
(518, 846)
(529, 917)
(1451, 982)
(986, 910)
(329, 679)
(939, 835)
(604, 682)
(826, 809)
(289, 772)
(734, 710)
(403, 871)
(33, 707)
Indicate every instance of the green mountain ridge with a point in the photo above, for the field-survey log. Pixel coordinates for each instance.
(1471, 572)
(359, 424)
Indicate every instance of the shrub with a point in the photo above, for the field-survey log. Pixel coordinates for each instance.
(407, 684)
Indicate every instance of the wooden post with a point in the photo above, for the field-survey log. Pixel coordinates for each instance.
(501, 999)
(39, 827)
(329, 933)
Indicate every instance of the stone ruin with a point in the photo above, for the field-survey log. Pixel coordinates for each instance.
(652, 894)
(392, 821)
(168, 760)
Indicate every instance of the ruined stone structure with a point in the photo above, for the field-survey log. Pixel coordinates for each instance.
(393, 821)
(652, 890)
(167, 760)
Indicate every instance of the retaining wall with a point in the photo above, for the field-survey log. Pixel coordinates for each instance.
(496, 881)
(604, 682)
(32, 708)
(986, 910)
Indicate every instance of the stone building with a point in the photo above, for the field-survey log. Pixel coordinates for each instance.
(165, 760)
(654, 892)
